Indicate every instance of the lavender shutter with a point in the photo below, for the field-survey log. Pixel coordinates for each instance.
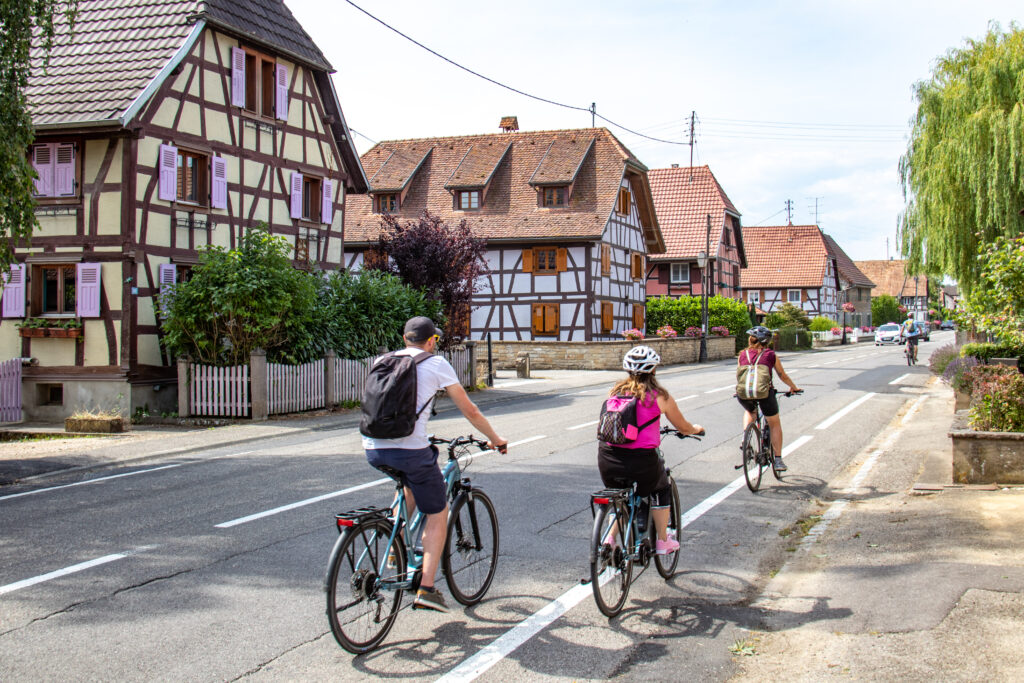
(167, 275)
(219, 184)
(327, 202)
(296, 194)
(87, 294)
(64, 171)
(237, 77)
(281, 81)
(42, 162)
(168, 173)
(14, 292)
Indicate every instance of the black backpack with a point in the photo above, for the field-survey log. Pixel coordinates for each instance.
(389, 397)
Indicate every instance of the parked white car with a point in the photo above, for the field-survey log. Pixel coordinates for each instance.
(888, 333)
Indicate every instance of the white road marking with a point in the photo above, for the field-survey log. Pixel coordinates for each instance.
(335, 494)
(516, 383)
(830, 362)
(508, 642)
(839, 415)
(82, 566)
(89, 481)
(686, 398)
(914, 408)
(900, 379)
(728, 386)
(585, 424)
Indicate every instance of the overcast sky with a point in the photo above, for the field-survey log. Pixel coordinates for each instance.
(794, 100)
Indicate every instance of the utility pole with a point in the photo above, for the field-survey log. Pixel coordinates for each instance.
(593, 114)
(789, 212)
(693, 117)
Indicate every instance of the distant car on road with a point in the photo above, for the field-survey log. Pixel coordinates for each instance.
(947, 325)
(925, 331)
(888, 333)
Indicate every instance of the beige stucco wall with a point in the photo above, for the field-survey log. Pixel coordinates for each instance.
(600, 355)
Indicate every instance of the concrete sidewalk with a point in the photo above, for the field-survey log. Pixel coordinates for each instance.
(916, 579)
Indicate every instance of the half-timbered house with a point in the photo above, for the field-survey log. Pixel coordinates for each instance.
(790, 264)
(162, 128)
(854, 286)
(891, 277)
(567, 216)
(695, 216)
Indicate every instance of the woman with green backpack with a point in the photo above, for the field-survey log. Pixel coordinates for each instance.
(754, 385)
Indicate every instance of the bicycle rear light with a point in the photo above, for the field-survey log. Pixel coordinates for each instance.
(601, 501)
(346, 522)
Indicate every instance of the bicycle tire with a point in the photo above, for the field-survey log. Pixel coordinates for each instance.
(360, 624)
(471, 547)
(751, 453)
(611, 568)
(666, 564)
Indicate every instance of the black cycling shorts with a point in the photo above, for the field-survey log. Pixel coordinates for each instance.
(769, 406)
(620, 467)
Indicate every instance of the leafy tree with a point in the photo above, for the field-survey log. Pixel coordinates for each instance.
(22, 26)
(685, 312)
(359, 314)
(963, 172)
(242, 299)
(821, 324)
(442, 260)
(884, 309)
(788, 315)
(997, 304)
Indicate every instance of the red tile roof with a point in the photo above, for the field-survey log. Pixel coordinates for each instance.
(784, 256)
(479, 165)
(510, 211)
(848, 270)
(890, 278)
(683, 198)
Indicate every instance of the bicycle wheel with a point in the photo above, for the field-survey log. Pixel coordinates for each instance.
(666, 564)
(910, 354)
(751, 450)
(611, 568)
(360, 612)
(471, 549)
(769, 452)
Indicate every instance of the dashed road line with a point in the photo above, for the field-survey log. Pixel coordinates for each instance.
(713, 391)
(585, 424)
(842, 413)
(73, 569)
(88, 481)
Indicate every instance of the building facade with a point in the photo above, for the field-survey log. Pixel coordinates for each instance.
(790, 264)
(854, 287)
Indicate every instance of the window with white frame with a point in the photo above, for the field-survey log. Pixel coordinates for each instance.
(680, 274)
(793, 296)
(754, 297)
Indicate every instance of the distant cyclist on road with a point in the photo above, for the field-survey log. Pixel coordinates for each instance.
(416, 458)
(638, 461)
(909, 331)
(757, 351)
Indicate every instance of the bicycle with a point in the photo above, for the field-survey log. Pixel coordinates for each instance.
(377, 557)
(910, 351)
(756, 450)
(623, 535)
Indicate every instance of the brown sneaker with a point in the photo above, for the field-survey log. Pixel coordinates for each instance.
(429, 598)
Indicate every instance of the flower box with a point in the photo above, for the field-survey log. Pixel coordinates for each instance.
(986, 457)
(31, 331)
(63, 333)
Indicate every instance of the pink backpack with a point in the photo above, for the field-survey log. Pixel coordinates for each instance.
(617, 424)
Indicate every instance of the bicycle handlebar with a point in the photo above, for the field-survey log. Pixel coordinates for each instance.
(673, 430)
(468, 440)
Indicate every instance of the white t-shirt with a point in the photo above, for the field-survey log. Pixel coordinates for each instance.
(432, 375)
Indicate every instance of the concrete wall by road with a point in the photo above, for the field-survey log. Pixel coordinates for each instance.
(601, 355)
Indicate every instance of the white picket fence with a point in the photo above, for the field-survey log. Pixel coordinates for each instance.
(10, 391)
(829, 335)
(294, 388)
(350, 377)
(219, 392)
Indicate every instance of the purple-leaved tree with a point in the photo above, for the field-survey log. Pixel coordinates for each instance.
(444, 260)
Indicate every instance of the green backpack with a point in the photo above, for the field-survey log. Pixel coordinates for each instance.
(753, 381)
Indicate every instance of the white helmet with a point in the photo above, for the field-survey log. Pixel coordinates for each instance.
(640, 359)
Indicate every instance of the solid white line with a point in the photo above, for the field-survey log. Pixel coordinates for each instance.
(712, 391)
(516, 383)
(335, 494)
(914, 408)
(90, 481)
(830, 362)
(900, 379)
(838, 416)
(301, 503)
(508, 642)
(585, 424)
(686, 398)
(17, 585)
(786, 450)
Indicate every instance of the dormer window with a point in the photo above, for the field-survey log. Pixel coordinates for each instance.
(555, 196)
(385, 203)
(468, 200)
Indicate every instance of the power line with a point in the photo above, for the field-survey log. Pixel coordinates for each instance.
(764, 220)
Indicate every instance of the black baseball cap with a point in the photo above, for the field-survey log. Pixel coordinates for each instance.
(420, 329)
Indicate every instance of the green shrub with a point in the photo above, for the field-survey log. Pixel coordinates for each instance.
(885, 309)
(792, 339)
(821, 324)
(997, 401)
(986, 351)
(685, 312)
(956, 373)
(941, 358)
(789, 315)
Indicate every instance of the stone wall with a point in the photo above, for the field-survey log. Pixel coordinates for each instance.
(601, 355)
(986, 457)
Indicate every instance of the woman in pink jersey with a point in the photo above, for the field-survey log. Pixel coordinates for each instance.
(623, 464)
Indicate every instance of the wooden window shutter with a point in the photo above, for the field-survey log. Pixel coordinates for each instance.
(537, 315)
(664, 273)
(87, 295)
(219, 183)
(237, 77)
(296, 194)
(527, 260)
(563, 260)
(168, 173)
(606, 259)
(281, 86)
(14, 292)
(607, 312)
(167, 276)
(64, 171)
(42, 162)
(327, 202)
(551, 319)
(637, 265)
(638, 316)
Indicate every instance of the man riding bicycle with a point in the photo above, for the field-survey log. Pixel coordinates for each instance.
(909, 331)
(416, 458)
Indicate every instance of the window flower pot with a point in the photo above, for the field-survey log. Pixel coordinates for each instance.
(31, 331)
(64, 333)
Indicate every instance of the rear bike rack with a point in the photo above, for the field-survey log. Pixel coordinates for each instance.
(358, 516)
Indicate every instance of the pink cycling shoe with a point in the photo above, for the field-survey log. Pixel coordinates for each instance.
(666, 547)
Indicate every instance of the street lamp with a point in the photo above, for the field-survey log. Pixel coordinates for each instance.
(702, 263)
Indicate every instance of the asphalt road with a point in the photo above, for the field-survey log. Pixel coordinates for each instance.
(211, 568)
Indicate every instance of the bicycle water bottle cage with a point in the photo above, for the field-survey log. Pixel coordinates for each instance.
(360, 515)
